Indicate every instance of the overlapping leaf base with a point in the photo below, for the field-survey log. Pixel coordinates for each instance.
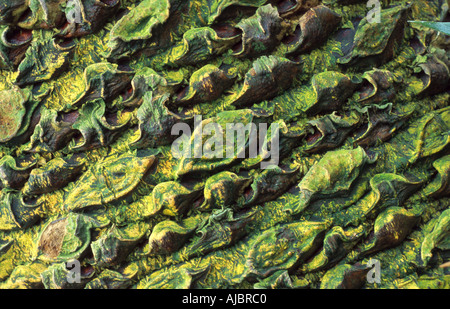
(90, 91)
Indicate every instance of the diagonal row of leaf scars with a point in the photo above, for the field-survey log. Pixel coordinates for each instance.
(150, 100)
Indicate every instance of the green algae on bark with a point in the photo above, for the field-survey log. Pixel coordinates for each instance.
(56, 174)
(111, 179)
(137, 25)
(284, 247)
(342, 90)
(335, 172)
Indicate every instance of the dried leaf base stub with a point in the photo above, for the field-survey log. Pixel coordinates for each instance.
(90, 92)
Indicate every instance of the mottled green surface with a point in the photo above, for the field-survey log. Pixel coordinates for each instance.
(364, 145)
